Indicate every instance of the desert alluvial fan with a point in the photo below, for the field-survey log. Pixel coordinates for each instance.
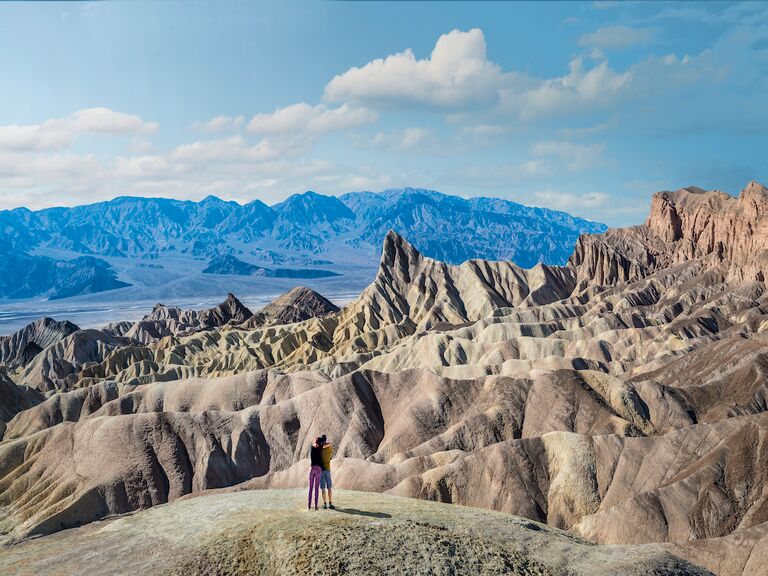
(620, 397)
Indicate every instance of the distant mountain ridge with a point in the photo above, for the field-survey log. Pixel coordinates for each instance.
(232, 265)
(455, 229)
(447, 227)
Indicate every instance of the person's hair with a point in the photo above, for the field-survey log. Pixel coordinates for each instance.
(319, 441)
(323, 438)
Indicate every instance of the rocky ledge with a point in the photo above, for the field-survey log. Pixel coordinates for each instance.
(271, 533)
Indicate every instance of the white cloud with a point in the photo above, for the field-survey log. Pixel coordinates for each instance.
(457, 74)
(220, 124)
(232, 168)
(106, 121)
(574, 157)
(609, 37)
(311, 120)
(59, 133)
(570, 201)
(232, 149)
(459, 77)
(580, 87)
(33, 137)
(402, 140)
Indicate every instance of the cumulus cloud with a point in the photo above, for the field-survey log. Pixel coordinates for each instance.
(459, 77)
(220, 123)
(457, 73)
(313, 120)
(609, 37)
(59, 133)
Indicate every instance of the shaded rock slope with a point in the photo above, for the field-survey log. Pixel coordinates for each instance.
(297, 305)
(621, 397)
(14, 399)
(19, 348)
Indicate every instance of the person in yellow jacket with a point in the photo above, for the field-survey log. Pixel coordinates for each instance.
(325, 476)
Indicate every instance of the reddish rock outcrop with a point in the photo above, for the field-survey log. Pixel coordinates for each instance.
(686, 225)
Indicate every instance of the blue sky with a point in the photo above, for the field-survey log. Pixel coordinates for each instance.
(586, 107)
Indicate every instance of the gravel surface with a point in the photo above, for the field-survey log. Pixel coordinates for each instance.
(270, 532)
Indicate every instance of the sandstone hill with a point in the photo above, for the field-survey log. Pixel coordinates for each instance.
(621, 397)
(172, 321)
(272, 534)
(19, 348)
(299, 304)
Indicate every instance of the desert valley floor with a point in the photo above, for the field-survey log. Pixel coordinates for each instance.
(620, 399)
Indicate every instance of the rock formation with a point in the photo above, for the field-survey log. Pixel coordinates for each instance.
(18, 349)
(14, 399)
(268, 533)
(298, 305)
(691, 224)
(171, 321)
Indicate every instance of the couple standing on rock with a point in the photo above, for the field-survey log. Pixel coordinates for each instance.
(320, 473)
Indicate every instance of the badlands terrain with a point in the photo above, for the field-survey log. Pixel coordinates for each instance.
(620, 397)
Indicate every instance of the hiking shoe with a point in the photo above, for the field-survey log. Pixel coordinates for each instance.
(325, 506)
(331, 506)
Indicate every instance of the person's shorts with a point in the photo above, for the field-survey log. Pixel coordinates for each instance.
(325, 480)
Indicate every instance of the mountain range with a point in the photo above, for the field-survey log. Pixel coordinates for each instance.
(61, 252)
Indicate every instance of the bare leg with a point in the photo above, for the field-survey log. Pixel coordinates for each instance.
(330, 496)
(324, 499)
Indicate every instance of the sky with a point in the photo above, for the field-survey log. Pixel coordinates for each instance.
(584, 107)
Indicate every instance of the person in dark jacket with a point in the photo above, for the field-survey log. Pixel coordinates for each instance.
(315, 471)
